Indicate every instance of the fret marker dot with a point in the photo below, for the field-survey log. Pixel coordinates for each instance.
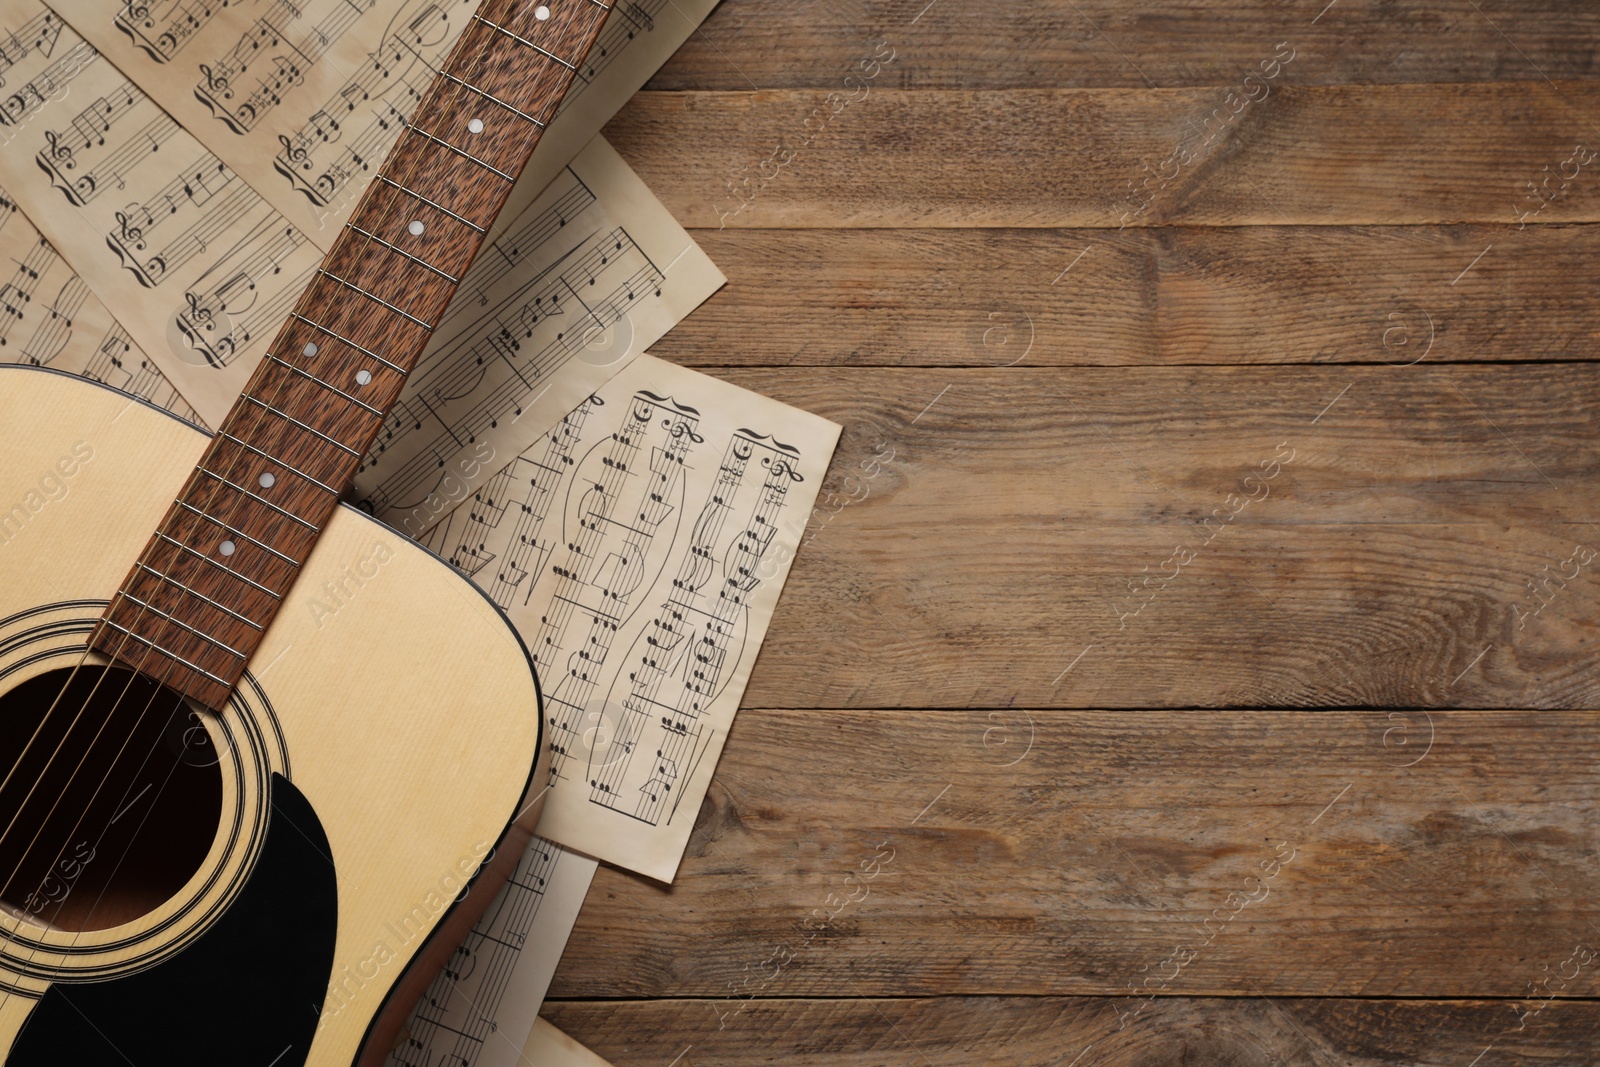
(541, 12)
(474, 125)
(310, 349)
(266, 481)
(416, 228)
(363, 377)
(226, 548)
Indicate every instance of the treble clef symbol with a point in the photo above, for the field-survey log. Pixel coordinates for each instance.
(217, 83)
(294, 150)
(130, 233)
(782, 468)
(683, 429)
(61, 153)
(198, 313)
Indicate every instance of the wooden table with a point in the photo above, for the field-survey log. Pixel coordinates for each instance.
(1191, 661)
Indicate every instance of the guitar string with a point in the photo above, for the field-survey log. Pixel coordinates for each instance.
(451, 63)
(232, 506)
(421, 160)
(82, 661)
(49, 871)
(180, 703)
(110, 714)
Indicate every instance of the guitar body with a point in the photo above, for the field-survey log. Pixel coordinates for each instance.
(381, 745)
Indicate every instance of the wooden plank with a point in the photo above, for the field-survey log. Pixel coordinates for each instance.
(1336, 155)
(1106, 44)
(1421, 527)
(921, 297)
(1320, 853)
(1050, 1031)
(1184, 295)
(1040, 407)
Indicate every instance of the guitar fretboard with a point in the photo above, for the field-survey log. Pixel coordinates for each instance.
(200, 598)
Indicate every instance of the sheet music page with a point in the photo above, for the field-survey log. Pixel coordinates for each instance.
(201, 271)
(479, 1010)
(303, 98)
(639, 548)
(592, 273)
(49, 318)
(549, 1047)
(186, 255)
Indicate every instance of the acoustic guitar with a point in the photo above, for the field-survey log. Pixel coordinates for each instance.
(251, 789)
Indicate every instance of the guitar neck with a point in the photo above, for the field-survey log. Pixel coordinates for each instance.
(200, 598)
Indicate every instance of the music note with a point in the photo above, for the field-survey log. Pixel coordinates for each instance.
(50, 318)
(492, 374)
(38, 35)
(162, 38)
(371, 107)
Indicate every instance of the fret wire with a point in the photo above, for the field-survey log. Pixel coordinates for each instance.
(326, 385)
(338, 337)
(195, 593)
(313, 527)
(170, 655)
(376, 299)
(124, 594)
(297, 422)
(220, 566)
(437, 207)
(296, 471)
(523, 40)
(395, 248)
(240, 533)
(490, 97)
(460, 152)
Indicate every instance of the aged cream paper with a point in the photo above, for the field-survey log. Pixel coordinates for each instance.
(639, 548)
(480, 1008)
(549, 1047)
(303, 98)
(588, 276)
(49, 318)
(195, 265)
(202, 272)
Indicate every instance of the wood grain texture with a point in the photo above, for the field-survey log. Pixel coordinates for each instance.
(1001, 540)
(1050, 1031)
(1174, 295)
(1107, 44)
(1033, 852)
(1241, 461)
(1305, 155)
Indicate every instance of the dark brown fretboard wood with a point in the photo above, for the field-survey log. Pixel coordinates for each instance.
(200, 598)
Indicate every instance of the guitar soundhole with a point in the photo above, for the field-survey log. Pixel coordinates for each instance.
(110, 796)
